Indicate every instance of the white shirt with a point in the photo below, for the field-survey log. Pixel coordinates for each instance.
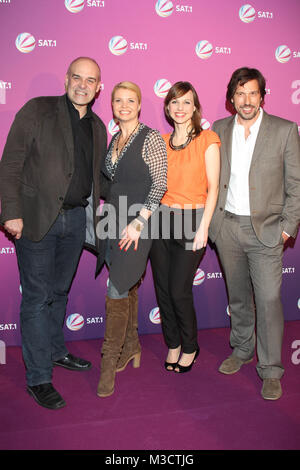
(241, 155)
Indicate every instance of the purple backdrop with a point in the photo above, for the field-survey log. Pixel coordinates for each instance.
(153, 43)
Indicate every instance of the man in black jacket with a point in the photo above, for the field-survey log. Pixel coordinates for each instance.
(49, 180)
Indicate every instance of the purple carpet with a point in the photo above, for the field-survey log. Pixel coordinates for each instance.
(153, 409)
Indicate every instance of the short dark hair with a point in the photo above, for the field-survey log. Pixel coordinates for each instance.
(176, 91)
(242, 76)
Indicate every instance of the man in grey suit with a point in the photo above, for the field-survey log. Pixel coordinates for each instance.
(49, 180)
(258, 209)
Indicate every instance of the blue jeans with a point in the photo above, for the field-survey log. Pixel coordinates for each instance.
(46, 270)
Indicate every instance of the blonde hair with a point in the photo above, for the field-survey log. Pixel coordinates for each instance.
(128, 86)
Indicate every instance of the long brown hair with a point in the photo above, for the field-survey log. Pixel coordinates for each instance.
(176, 91)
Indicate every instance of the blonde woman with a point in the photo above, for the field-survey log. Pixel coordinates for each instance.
(135, 172)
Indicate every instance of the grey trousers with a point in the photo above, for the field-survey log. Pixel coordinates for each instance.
(253, 274)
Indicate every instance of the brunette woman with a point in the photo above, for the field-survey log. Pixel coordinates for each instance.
(185, 213)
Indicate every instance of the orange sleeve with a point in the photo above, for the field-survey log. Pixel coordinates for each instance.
(212, 138)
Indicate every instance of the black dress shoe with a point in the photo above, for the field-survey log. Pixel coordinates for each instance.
(46, 395)
(73, 363)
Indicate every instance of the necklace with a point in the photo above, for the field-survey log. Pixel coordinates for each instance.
(118, 153)
(182, 146)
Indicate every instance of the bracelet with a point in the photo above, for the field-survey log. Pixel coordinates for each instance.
(137, 225)
(142, 219)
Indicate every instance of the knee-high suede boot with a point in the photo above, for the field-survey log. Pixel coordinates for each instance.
(132, 348)
(117, 314)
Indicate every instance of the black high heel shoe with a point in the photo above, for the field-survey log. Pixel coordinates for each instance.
(183, 369)
(170, 364)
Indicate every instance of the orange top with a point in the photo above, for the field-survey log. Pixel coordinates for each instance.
(187, 180)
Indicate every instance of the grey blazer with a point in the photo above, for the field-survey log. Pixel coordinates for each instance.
(37, 165)
(274, 179)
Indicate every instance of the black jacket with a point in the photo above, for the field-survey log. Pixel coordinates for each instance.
(37, 165)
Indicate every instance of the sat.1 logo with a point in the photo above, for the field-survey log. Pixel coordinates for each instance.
(204, 49)
(154, 316)
(74, 6)
(75, 322)
(25, 42)
(118, 45)
(283, 54)
(161, 87)
(164, 8)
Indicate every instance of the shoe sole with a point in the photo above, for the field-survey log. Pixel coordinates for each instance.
(135, 364)
(104, 395)
(235, 370)
(271, 398)
(57, 407)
